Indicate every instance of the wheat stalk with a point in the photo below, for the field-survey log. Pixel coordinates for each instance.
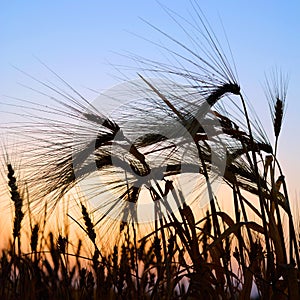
(18, 204)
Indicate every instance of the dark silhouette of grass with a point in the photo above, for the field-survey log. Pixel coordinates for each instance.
(220, 256)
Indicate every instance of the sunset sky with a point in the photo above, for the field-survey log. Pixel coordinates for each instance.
(80, 39)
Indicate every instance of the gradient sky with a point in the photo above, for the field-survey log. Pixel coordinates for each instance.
(78, 38)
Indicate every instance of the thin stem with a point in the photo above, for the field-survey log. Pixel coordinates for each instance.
(260, 195)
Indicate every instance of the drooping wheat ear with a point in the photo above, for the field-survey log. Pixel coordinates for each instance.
(89, 224)
(18, 202)
(219, 92)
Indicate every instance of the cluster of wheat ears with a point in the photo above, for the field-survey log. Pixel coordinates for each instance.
(252, 252)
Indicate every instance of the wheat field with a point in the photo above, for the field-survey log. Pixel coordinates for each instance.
(166, 186)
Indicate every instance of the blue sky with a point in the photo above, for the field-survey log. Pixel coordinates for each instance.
(78, 38)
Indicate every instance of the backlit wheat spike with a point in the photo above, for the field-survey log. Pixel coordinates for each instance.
(276, 93)
(34, 238)
(18, 203)
(88, 223)
(278, 115)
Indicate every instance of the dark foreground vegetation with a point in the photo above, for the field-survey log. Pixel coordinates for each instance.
(182, 259)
